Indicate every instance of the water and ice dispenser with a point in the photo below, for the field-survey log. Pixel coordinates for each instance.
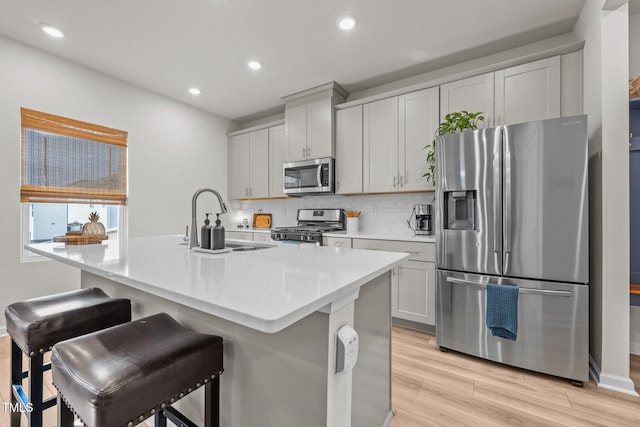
(459, 210)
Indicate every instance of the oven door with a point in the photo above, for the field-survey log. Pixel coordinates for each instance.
(308, 176)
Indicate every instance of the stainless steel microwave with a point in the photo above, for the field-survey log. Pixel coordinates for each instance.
(308, 177)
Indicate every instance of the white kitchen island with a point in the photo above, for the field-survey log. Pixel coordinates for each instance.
(278, 310)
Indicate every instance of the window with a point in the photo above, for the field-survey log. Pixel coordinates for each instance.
(70, 168)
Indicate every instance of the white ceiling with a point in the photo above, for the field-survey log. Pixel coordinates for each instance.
(168, 46)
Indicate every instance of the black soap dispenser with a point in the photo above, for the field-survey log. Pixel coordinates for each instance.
(217, 238)
(205, 233)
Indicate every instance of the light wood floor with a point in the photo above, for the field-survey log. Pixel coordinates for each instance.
(451, 389)
(431, 388)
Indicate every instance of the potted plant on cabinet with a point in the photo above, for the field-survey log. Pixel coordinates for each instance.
(453, 122)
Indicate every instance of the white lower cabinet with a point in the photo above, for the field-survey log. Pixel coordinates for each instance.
(336, 242)
(240, 235)
(413, 292)
(262, 237)
(246, 235)
(413, 287)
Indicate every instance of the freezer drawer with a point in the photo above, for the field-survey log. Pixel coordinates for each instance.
(553, 323)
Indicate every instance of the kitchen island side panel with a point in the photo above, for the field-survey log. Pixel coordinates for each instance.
(371, 398)
(269, 379)
(283, 379)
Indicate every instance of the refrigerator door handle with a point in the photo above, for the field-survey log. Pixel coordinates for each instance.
(520, 290)
(507, 200)
(497, 195)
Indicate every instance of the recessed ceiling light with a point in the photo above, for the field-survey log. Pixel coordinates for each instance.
(52, 31)
(347, 23)
(194, 91)
(254, 65)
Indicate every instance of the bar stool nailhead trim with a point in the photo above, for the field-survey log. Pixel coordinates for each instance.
(148, 344)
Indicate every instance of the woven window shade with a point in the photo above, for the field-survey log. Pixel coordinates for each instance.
(69, 161)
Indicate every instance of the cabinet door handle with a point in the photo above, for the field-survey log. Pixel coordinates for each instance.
(308, 152)
(304, 152)
(401, 180)
(395, 178)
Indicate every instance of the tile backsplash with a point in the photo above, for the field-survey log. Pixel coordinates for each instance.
(384, 213)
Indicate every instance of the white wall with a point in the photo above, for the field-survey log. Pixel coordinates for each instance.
(606, 54)
(173, 150)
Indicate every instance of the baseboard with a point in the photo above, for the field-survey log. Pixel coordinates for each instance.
(387, 422)
(634, 327)
(610, 382)
(422, 327)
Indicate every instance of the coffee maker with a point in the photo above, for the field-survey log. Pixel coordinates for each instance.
(420, 220)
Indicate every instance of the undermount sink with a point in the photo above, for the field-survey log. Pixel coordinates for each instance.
(249, 246)
(236, 246)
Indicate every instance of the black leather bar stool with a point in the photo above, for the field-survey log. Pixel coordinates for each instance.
(122, 375)
(37, 324)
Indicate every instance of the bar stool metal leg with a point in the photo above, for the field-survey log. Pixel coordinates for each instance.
(212, 403)
(35, 391)
(16, 384)
(160, 420)
(31, 404)
(65, 416)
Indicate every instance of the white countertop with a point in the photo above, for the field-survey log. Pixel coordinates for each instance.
(249, 230)
(405, 237)
(266, 290)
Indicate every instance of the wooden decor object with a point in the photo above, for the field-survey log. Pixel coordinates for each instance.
(80, 239)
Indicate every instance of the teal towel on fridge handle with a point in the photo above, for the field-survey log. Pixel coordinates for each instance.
(502, 310)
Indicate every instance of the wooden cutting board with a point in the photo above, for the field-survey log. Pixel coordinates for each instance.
(80, 239)
(261, 220)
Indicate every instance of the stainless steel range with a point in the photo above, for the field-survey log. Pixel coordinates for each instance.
(311, 224)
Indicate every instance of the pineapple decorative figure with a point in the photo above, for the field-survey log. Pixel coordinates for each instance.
(93, 227)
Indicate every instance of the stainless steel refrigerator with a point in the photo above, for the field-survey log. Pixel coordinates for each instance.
(512, 210)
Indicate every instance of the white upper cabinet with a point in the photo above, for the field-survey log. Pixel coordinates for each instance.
(571, 84)
(395, 132)
(528, 92)
(320, 129)
(238, 175)
(276, 159)
(309, 122)
(248, 165)
(295, 120)
(258, 164)
(418, 121)
(348, 164)
(309, 130)
(380, 131)
(473, 94)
